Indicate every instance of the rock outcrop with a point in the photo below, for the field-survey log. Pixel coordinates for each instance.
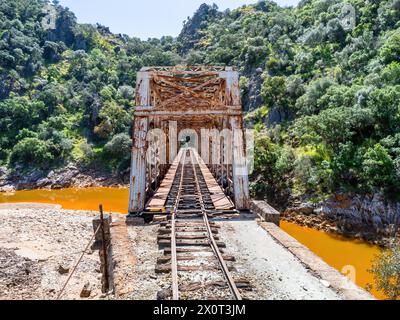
(66, 177)
(190, 33)
(366, 217)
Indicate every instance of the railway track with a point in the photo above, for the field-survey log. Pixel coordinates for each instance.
(193, 252)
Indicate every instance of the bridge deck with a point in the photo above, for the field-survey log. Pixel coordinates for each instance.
(158, 202)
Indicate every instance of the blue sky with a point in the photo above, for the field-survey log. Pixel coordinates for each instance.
(146, 18)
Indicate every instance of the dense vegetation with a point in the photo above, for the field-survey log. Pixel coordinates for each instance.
(324, 98)
(67, 94)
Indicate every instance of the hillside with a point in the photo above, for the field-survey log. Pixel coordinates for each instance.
(323, 97)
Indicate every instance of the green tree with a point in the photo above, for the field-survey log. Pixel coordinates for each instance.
(118, 150)
(274, 91)
(272, 165)
(31, 152)
(379, 169)
(390, 51)
(115, 119)
(119, 146)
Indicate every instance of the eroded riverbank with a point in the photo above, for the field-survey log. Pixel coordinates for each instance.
(70, 176)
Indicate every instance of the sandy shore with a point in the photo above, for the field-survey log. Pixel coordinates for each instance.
(38, 245)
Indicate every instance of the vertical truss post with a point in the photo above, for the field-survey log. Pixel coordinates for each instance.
(173, 140)
(137, 190)
(240, 173)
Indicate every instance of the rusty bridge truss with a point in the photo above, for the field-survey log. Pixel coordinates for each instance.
(197, 106)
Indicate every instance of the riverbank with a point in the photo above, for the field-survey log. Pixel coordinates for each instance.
(39, 245)
(70, 176)
(277, 272)
(368, 218)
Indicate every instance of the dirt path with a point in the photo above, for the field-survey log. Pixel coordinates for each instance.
(274, 272)
(37, 247)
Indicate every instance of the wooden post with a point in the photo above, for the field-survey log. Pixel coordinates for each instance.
(104, 247)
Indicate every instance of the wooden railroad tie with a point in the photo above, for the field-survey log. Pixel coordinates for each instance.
(166, 268)
(187, 242)
(189, 257)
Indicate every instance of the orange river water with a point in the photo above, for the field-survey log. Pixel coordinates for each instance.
(349, 256)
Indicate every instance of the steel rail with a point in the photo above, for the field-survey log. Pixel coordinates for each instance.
(174, 261)
(214, 246)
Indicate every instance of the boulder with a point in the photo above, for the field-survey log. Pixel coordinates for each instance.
(7, 188)
(323, 211)
(41, 183)
(377, 222)
(325, 283)
(304, 208)
(34, 176)
(3, 171)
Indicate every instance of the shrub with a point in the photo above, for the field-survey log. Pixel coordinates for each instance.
(390, 51)
(84, 153)
(386, 271)
(272, 166)
(118, 152)
(273, 91)
(31, 152)
(119, 146)
(379, 168)
(115, 119)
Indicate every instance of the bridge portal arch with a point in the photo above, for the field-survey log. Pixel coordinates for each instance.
(189, 138)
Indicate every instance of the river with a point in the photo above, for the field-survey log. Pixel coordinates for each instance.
(349, 256)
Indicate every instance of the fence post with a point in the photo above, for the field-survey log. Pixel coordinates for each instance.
(104, 245)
